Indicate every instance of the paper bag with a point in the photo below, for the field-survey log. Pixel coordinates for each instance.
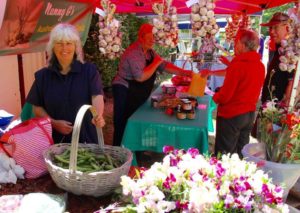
(197, 85)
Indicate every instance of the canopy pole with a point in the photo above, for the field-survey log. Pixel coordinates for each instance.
(21, 79)
(294, 88)
(297, 73)
(259, 23)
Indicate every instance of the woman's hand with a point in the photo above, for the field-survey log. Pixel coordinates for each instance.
(62, 126)
(98, 121)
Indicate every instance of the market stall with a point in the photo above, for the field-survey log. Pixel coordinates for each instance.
(149, 128)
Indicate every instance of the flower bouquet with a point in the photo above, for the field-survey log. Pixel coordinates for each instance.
(280, 131)
(186, 181)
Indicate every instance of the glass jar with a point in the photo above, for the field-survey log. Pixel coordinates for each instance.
(187, 105)
(180, 113)
(191, 114)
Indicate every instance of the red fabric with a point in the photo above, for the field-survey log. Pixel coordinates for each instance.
(222, 6)
(242, 85)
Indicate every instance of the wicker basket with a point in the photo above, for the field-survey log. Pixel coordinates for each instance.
(95, 183)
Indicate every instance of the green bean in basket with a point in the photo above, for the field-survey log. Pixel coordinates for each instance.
(87, 161)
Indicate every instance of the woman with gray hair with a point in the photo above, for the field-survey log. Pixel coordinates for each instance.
(65, 84)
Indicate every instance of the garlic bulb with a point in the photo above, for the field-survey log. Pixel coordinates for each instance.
(165, 25)
(110, 37)
(203, 18)
(290, 47)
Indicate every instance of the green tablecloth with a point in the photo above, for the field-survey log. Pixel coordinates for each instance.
(151, 129)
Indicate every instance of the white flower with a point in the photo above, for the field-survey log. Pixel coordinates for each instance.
(127, 184)
(198, 184)
(198, 202)
(154, 194)
(229, 199)
(165, 206)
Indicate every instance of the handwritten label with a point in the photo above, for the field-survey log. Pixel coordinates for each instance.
(59, 12)
(191, 2)
(100, 12)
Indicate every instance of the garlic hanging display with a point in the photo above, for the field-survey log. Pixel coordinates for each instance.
(290, 48)
(245, 22)
(165, 25)
(203, 18)
(110, 37)
(232, 27)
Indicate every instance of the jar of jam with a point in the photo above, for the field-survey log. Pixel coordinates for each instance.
(191, 114)
(180, 114)
(154, 101)
(186, 105)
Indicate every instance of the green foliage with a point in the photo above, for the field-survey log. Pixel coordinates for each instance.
(130, 25)
(255, 25)
(267, 15)
(108, 68)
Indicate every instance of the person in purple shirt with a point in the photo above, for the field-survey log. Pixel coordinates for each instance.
(67, 83)
(135, 78)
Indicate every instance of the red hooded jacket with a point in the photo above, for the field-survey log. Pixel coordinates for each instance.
(242, 85)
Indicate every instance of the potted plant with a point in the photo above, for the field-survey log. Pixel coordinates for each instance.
(278, 152)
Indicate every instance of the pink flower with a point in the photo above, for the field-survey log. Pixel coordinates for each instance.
(168, 149)
(193, 152)
(261, 164)
(168, 181)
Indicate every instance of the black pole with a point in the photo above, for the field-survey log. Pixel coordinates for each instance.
(21, 80)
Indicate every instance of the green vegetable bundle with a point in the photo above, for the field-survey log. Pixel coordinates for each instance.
(87, 161)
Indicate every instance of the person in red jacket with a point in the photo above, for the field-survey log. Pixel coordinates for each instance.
(239, 94)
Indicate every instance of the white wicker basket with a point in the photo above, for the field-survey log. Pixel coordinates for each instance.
(96, 183)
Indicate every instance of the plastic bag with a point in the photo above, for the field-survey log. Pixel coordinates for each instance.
(197, 86)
